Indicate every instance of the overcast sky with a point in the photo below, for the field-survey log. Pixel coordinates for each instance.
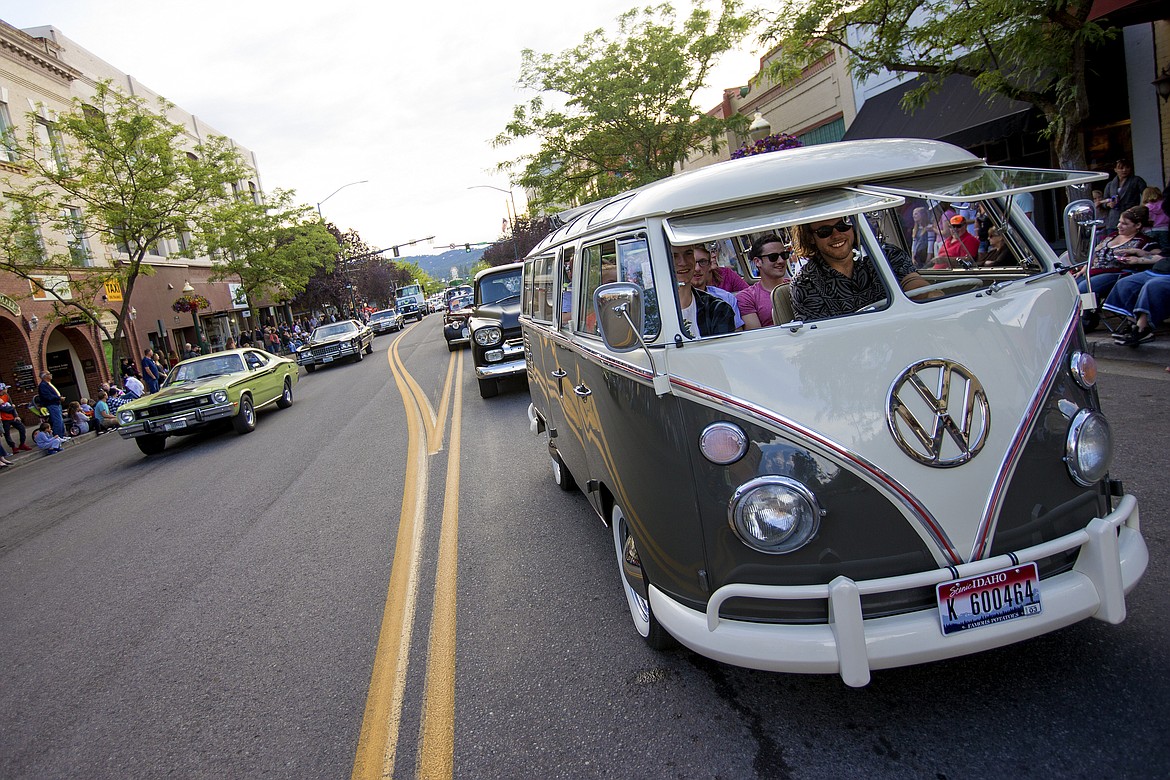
(406, 95)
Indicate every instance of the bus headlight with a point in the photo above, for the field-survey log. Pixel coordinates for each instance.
(774, 514)
(1088, 450)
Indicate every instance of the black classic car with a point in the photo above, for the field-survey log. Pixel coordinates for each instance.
(458, 309)
(496, 342)
(335, 341)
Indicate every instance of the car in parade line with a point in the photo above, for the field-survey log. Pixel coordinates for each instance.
(201, 391)
(335, 341)
(912, 470)
(458, 310)
(385, 321)
(497, 345)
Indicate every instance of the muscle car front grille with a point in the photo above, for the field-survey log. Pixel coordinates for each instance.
(173, 407)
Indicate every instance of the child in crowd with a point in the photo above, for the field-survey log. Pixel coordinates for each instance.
(1160, 232)
(45, 439)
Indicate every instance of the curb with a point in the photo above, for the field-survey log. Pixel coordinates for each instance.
(1156, 352)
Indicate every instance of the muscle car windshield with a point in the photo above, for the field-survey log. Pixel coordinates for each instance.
(215, 365)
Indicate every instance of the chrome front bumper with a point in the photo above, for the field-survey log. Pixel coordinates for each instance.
(509, 362)
(1113, 556)
(174, 423)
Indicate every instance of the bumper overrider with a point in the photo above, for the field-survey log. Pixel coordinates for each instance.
(1112, 558)
(504, 360)
(178, 421)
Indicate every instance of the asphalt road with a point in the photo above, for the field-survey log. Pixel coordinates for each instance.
(218, 611)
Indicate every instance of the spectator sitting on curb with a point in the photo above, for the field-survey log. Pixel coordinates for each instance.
(103, 419)
(47, 441)
(9, 419)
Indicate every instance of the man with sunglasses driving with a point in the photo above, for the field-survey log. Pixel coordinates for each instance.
(838, 279)
(770, 257)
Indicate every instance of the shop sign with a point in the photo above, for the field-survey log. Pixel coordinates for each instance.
(10, 305)
(58, 284)
(239, 296)
(113, 291)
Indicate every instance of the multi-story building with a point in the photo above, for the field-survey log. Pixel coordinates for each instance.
(42, 72)
(815, 107)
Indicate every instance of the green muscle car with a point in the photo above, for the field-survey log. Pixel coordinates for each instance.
(202, 390)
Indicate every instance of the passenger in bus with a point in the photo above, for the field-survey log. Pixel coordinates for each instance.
(705, 265)
(840, 279)
(703, 314)
(999, 254)
(770, 257)
(961, 249)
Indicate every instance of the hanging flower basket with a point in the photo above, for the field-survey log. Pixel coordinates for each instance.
(186, 303)
(772, 143)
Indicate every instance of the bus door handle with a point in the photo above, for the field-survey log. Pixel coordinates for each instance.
(582, 391)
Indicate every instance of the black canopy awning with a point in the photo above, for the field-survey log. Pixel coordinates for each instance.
(957, 113)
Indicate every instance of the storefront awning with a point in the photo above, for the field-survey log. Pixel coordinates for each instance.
(1127, 12)
(957, 114)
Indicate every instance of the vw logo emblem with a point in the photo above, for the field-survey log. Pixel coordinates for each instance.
(938, 413)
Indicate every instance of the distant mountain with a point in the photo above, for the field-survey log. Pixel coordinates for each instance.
(439, 266)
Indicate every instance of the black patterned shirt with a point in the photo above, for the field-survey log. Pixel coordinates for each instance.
(818, 291)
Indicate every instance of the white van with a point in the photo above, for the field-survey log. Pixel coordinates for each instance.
(922, 478)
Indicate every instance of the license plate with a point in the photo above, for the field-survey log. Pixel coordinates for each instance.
(174, 425)
(327, 359)
(973, 602)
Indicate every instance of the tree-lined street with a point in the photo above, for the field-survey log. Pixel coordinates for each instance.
(215, 611)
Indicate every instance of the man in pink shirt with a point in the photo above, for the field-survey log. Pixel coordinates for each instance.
(770, 258)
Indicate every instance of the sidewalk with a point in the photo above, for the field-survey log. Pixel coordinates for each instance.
(1102, 347)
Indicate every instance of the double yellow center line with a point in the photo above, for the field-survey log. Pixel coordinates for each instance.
(378, 741)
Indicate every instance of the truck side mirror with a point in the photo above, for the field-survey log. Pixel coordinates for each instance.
(619, 315)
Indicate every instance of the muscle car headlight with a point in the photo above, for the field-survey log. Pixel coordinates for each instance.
(219, 396)
(1088, 450)
(774, 514)
(126, 416)
(488, 336)
(1083, 368)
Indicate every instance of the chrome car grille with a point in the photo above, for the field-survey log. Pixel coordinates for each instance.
(325, 350)
(172, 407)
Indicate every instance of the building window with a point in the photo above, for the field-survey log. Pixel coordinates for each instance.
(78, 247)
(49, 137)
(825, 134)
(8, 151)
(28, 245)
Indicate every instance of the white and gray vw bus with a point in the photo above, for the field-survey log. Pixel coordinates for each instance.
(920, 479)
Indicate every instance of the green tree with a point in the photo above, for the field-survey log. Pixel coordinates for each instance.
(114, 168)
(1033, 51)
(274, 248)
(614, 113)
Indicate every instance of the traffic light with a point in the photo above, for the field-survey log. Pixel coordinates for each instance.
(467, 247)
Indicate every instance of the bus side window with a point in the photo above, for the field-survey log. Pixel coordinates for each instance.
(566, 305)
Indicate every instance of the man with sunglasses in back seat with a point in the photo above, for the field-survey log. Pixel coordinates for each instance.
(770, 257)
(838, 280)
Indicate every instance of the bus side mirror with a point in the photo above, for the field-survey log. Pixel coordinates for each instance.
(619, 315)
(1080, 230)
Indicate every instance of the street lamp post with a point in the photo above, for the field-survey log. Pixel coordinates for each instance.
(187, 290)
(339, 189)
(511, 217)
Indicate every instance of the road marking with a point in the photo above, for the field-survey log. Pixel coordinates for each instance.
(378, 740)
(437, 732)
